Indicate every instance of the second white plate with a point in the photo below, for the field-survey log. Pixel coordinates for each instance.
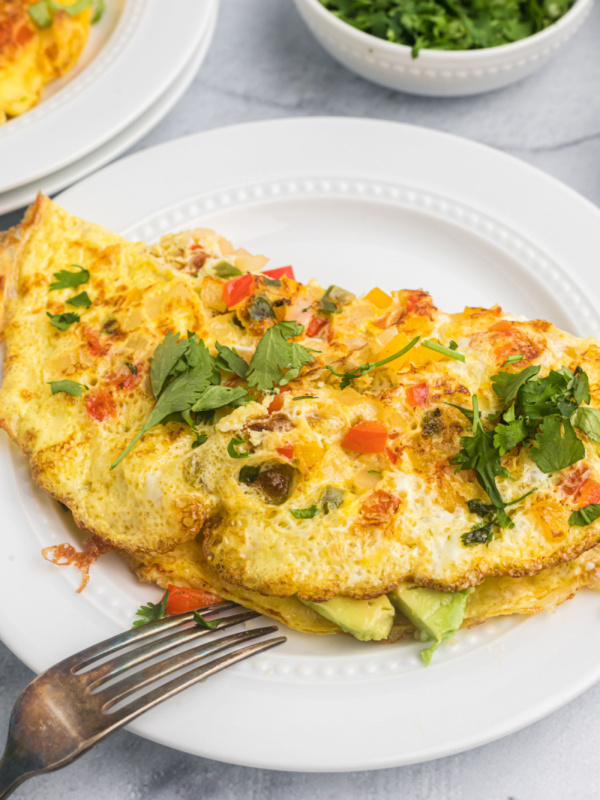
(133, 55)
(50, 184)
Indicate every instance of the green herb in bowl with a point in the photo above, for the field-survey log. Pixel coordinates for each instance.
(449, 24)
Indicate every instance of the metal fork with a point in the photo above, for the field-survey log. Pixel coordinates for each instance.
(74, 704)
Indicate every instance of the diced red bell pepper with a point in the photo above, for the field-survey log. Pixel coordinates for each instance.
(366, 437)
(315, 326)
(100, 405)
(276, 404)
(278, 273)
(417, 395)
(181, 600)
(238, 289)
(589, 493)
(286, 450)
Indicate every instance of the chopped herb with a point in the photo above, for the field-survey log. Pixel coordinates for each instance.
(234, 443)
(66, 279)
(205, 623)
(304, 397)
(506, 384)
(449, 24)
(248, 474)
(446, 351)
(513, 359)
(218, 396)
(276, 360)
(588, 421)
(131, 367)
(374, 472)
(304, 513)
(226, 270)
(63, 321)
(480, 534)
(261, 309)
(453, 345)
(200, 438)
(152, 611)
(68, 387)
(80, 300)
(585, 516)
(357, 372)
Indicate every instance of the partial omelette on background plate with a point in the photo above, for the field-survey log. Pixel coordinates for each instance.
(39, 42)
(370, 465)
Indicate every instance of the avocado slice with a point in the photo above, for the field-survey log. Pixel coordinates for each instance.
(365, 619)
(436, 615)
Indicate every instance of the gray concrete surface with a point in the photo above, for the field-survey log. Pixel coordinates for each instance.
(263, 64)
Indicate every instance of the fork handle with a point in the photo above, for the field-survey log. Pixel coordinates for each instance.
(12, 774)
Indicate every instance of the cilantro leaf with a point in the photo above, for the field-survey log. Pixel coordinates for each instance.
(63, 321)
(132, 368)
(99, 10)
(218, 396)
(81, 300)
(480, 508)
(168, 353)
(66, 279)
(200, 438)
(40, 14)
(68, 387)
(506, 384)
(588, 421)
(277, 361)
(229, 360)
(554, 450)
(205, 623)
(585, 516)
(152, 612)
(248, 474)
(304, 513)
(547, 396)
(581, 387)
(508, 436)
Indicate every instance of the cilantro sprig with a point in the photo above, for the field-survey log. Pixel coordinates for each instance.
(151, 612)
(277, 361)
(357, 372)
(540, 414)
(185, 381)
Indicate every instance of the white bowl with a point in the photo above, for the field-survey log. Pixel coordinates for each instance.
(439, 72)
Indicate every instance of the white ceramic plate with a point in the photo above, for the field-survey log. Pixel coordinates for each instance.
(21, 196)
(364, 203)
(132, 56)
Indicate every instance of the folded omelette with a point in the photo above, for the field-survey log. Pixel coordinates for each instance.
(371, 465)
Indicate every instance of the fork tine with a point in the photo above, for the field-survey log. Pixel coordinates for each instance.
(173, 687)
(85, 657)
(133, 683)
(156, 647)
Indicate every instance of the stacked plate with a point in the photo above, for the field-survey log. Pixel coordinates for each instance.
(139, 60)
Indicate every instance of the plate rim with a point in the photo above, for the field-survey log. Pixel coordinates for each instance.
(146, 726)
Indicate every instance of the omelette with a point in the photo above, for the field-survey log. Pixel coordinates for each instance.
(294, 447)
(39, 42)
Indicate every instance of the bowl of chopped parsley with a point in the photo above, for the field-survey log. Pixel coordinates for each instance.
(444, 47)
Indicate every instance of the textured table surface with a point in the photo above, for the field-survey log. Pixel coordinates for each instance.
(263, 64)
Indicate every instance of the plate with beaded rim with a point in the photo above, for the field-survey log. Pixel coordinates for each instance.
(382, 203)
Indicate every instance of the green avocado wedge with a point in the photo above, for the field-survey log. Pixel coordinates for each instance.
(367, 620)
(436, 615)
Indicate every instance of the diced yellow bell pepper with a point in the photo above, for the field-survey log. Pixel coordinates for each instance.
(417, 355)
(308, 454)
(379, 298)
